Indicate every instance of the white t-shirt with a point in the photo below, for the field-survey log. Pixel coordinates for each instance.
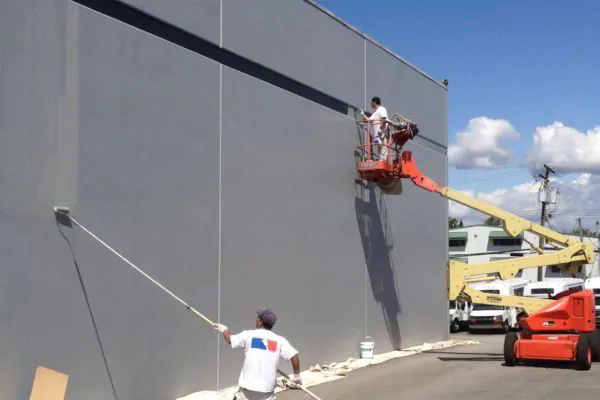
(379, 114)
(264, 349)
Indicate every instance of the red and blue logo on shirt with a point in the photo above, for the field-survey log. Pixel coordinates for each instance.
(263, 344)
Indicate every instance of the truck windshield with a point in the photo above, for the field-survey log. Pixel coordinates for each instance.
(452, 304)
(478, 307)
(542, 292)
(597, 301)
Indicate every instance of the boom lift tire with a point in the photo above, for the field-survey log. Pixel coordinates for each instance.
(455, 326)
(595, 339)
(583, 357)
(510, 357)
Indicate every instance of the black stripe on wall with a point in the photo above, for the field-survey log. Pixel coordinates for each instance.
(154, 26)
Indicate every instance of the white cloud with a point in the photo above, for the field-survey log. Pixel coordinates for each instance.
(578, 198)
(565, 149)
(478, 146)
(521, 199)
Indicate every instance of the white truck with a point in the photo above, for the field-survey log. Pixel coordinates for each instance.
(593, 284)
(486, 317)
(552, 286)
(458, 315)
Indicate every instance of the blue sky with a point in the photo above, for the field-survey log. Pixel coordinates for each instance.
(529, 62)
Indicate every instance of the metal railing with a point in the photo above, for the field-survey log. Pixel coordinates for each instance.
(371, 150)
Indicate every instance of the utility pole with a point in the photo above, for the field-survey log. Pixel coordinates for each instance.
(544, 198)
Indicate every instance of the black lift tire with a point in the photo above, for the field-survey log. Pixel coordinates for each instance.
(455, 326)
(510, 358)
(583, 358)
(595, 338)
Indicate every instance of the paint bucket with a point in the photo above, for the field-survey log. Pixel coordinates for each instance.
(367, 348)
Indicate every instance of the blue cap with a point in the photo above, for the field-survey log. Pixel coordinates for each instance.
(267, 316)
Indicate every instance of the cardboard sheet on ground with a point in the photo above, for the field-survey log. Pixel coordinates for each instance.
(49, 385)
(319, 374)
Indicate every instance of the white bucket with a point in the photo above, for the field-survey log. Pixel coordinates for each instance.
(367, 348)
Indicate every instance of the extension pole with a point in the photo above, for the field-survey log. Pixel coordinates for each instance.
(311, 394)
(65, 212)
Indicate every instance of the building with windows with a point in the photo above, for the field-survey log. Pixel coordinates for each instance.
(212, 143)
(481, 243)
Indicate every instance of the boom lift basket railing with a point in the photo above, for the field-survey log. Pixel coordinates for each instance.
(394, 133)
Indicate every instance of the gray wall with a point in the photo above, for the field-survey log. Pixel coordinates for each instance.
(138, 136)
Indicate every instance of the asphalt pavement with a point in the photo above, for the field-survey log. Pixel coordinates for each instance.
(463, 372)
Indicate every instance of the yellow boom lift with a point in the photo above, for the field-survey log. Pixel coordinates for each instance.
(562, 328)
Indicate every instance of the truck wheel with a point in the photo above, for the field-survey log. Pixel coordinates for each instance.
(595, 337)
(510, 356)
(583, 358)
(454, 326)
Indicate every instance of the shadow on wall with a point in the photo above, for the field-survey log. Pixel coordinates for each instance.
(377, 242)
(63, 220)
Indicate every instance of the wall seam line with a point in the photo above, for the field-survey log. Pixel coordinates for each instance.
(366, 272)
(220, 249)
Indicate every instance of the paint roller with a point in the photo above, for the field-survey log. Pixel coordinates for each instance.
(63, 217)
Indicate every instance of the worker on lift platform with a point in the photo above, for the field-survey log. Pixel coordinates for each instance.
(377, 120)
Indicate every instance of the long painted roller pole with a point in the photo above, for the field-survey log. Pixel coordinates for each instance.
(64, 211)
(311, 394)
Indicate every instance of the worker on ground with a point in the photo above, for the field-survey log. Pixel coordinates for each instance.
(377, 121)
(264, 348)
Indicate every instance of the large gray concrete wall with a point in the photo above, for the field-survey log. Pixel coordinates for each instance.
(234, 193)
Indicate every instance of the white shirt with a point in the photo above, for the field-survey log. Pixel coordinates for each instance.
(379, 114)
(264, 349)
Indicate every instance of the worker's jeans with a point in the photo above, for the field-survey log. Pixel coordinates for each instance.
(245, 394)
(379, 145)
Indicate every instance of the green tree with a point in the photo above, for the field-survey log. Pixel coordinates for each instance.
(493, 221)
(455, 223)
(586, 232)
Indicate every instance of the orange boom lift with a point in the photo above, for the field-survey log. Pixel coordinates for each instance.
(562, 328)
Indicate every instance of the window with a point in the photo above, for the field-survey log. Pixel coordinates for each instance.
(492, 291)
(557, 270)
(480, 307)
(507, 242)
(519, 291)
(543, 292)
(457, 242)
